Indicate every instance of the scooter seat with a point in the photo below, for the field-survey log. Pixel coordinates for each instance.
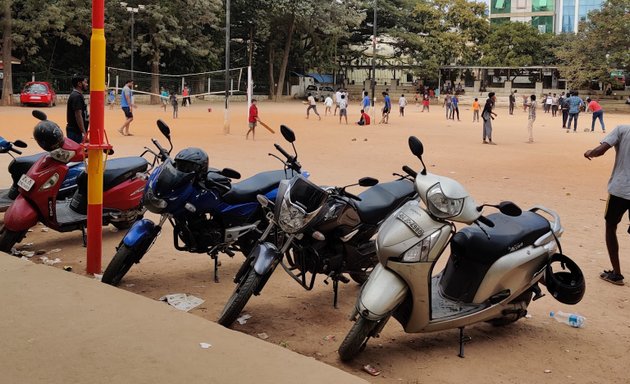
(379, 200)
(508, 235)
(259, 184)
(21, 165)
(117, 171)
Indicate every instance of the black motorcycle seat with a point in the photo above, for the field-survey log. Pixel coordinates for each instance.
(509, 234)
(21, 165)
(381, 199)
(117, 171)
(259, 184)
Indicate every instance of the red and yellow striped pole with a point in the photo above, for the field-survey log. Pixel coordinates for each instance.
(96, 146)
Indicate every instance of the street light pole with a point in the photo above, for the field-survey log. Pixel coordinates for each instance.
(226, 118)
(132, 10)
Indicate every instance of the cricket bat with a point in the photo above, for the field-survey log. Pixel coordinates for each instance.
(266, 126)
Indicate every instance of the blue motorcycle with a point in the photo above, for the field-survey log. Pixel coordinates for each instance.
(20, 165)
(208, 213)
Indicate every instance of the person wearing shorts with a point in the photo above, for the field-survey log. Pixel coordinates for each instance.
(619, 195)
(252, 119)
(126, 104)
(343, 108)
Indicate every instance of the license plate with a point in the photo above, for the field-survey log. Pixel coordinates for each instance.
(26, 183)
(36, 97)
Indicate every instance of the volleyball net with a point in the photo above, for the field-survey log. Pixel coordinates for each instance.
(199, 84)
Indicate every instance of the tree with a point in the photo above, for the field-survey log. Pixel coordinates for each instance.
(601, 45)
(515, 44)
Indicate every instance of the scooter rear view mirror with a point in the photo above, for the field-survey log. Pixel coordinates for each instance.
(20, 144)
(166, 131)
(368, 181)
(287, 133)
(509, 208)
(416, 146)
(39, 115)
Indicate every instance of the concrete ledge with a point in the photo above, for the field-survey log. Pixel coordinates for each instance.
(60, 327)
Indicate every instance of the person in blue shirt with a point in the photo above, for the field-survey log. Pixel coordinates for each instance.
(126, 104)
(366, 103)
(164, 96)
(386, 108)
(111, 98)
(575, 104)
(454, 107)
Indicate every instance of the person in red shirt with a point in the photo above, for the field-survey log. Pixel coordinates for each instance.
(598, 113)
(365, 118)
(253, 118)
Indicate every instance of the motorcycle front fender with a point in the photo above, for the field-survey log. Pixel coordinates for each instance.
(381, 294)
(138, 233)
(20, 216)
(264, 256)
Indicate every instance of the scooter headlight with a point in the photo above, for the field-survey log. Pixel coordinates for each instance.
(420, 252)
(442, 206)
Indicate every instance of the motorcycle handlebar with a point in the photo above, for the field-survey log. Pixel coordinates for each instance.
(284, 153)
(163, 152)
(16, 151)
(410, 171)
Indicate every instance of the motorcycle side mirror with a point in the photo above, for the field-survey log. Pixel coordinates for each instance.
(287, 133)
(166, 131)
(39, 115)
(509, 208)
(20, 144)
(230, 173)
(368, 181)
(109, 151)
(416, 146)
(417, 149)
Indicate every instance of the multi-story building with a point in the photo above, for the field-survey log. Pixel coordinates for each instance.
(549, 16)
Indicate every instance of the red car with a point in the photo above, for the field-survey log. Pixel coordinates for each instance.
(38, 92)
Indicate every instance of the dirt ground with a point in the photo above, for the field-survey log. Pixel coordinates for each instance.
(550, 172)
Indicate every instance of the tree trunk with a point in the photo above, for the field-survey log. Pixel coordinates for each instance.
(155, 78)
(7, 83)
(272, 88)
(285, 58)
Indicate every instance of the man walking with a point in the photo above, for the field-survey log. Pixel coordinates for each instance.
(76, 111)
(575, 103)
(312, 104)
(531, 118)
(487, 115)
(126, 104)
(619, 194)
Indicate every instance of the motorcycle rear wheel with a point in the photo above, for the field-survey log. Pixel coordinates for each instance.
(523, 299)
(356, 339)
(9, 238)
(122, 262)
(239, 298)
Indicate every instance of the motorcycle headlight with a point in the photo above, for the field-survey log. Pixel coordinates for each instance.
(153, 203)
(442, 206)
(293, 219)
(420, 252)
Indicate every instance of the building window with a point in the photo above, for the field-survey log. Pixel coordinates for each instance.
(543, 5)
(500, 6)
(544, 24)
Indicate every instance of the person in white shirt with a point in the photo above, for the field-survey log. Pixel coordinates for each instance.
(337, 99)
(312, 104)
(402, 103)
(343, 108)
(328, 104)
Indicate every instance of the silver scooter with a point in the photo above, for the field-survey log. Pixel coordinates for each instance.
(491, 275)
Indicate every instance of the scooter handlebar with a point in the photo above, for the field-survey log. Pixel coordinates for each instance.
(16, 151)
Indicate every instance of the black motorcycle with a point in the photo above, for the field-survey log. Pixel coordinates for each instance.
(317, 230)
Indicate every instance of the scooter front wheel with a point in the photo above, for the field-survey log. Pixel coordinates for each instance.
(122, 262)
(9, 238)
(356, 339)
(239, 298)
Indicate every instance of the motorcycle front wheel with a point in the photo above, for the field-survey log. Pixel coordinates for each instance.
(9, 238)
(122, 262)
(239, 298)
(356, 339)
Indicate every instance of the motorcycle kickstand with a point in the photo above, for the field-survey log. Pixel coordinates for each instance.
(462, 340)
(84, 236)
(335, 292)
(216, 267)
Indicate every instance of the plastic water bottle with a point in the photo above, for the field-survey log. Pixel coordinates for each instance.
(572, 319)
